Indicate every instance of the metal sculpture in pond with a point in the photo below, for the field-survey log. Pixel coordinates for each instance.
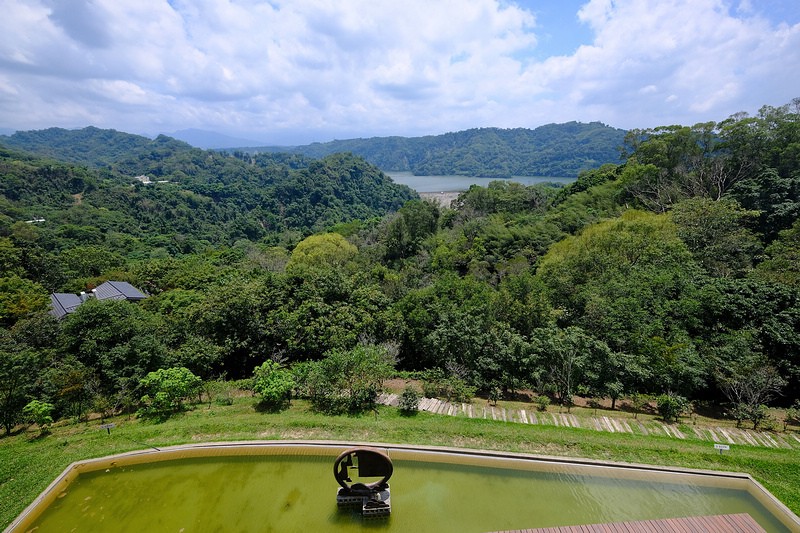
(373, 497)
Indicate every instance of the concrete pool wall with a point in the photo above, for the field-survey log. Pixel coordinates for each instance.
(431, 454)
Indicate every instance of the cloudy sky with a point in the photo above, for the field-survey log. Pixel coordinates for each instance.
(297, 71)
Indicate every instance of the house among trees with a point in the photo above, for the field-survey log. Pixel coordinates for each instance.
(65, 303)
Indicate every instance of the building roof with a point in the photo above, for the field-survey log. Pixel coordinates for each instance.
(118, 290)
(64, 303)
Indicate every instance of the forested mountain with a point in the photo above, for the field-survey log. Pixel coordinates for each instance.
(197, 200)
(674, 273)
(561, 150)
(88, 146)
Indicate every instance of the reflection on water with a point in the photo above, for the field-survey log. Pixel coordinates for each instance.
(297, 493)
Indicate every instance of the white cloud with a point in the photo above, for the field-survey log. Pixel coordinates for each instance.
(692, 53)
(359, 67)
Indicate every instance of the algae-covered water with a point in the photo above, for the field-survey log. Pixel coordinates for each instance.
(285, 493)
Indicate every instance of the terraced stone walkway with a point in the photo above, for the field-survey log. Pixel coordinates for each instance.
(719, 435)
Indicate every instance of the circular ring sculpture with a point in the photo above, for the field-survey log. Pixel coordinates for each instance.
(373, 498)
(370, 462)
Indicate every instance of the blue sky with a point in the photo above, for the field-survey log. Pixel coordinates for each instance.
(297, 71)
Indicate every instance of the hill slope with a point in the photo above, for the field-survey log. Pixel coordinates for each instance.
(551, 150)
(88, 146)
(204, 195)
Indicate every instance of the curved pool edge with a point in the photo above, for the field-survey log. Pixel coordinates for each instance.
(779, 510)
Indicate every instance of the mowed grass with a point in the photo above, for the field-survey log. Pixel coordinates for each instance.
(29, 462)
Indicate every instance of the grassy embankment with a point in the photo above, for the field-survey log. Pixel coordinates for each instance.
(29, 462)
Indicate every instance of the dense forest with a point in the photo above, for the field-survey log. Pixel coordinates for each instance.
(559, 150)
(193, 198)
(672, 273)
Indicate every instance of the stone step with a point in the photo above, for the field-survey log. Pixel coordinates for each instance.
(739, 436)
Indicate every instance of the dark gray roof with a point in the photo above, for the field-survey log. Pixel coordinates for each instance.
(118, 290)
(64, 303)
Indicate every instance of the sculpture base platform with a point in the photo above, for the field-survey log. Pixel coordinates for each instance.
(373, 504)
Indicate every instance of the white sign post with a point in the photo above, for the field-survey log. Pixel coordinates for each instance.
(108, 427)
(721, 447)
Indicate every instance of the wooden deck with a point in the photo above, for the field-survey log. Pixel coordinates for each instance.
(729, 523)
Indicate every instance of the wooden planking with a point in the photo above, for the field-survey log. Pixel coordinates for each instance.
(729, 523)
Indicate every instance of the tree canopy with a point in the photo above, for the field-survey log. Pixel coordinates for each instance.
(673, 273)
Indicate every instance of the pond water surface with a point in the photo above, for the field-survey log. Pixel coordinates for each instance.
(289, 489)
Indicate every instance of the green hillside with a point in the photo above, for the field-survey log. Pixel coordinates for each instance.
(671, 276)
(88, 146)
(553, 150)
(560, 150)
(195, 199)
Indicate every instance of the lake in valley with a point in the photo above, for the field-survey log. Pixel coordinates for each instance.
(424, 184)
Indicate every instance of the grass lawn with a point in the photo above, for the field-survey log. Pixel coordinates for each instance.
(29, 462)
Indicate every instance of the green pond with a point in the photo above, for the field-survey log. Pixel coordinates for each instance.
(296, 491)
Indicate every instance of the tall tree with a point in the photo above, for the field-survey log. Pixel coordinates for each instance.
(117, 339)
(327, 250)
(18, 368)
(717, 234)
(783, 258)
(412, 224)
(564, 356)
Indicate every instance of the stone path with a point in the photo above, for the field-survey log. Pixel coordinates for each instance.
(717, 435)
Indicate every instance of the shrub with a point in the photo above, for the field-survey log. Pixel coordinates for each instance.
(430, 389)
(769, 423)
(245, 384)
(39, 413)
(741, 411)
(221, 391)
(792, 415)
(104, 405)
(542, 402)
(349, 380)
(459, 391)
(409, 400)
(670, 406)
(567, 401)
(273, 384)
(300, 373)
(594, 403)
(436, 384)
(165, 390)
(638, 401)
(494, 394)
(758, 414)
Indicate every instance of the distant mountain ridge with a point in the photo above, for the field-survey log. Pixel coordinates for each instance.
(559, 150)
(201, 197)
(556, 150)
(91, 146)
(208, 139)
